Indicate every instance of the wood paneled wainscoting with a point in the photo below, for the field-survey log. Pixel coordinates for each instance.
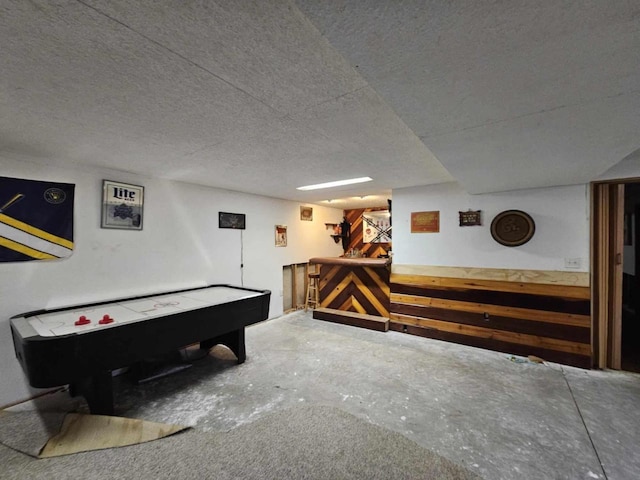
(541, 313)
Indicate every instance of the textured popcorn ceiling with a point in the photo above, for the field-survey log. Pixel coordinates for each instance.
(268, 95)
(507, 94)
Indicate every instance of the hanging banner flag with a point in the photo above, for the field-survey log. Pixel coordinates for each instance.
(36, 220)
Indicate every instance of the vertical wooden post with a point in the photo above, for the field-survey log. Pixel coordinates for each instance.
(306, 283)
(616, 252)
(294, 287)
(600, 270)
(607, 244)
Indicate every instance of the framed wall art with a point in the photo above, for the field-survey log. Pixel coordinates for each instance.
(376, 227)
(425, 222)
(232, 220)
(306, 213)
(122, 205)
(470, 218)
(281, 235)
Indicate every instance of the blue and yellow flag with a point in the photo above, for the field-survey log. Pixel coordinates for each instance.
(36, 220)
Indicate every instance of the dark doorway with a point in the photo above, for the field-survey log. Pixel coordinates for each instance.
(630, 280)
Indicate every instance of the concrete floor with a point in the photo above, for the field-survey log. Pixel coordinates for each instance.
(501, 417)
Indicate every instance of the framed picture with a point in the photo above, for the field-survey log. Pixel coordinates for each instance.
(306, 213)
(470, 218)
(281, 235)
(376, 227)
(425, 222)
(232, 220)
(122, 205)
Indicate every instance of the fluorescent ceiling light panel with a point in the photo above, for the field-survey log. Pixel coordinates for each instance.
(337, 183)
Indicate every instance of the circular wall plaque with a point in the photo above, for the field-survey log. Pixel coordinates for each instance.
(512, 228)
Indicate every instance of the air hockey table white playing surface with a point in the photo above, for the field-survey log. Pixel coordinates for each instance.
(136, 310)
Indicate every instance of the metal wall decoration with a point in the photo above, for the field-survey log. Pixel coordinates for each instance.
(231, 220)
(512, 228)
(122, 205)
(470, 218)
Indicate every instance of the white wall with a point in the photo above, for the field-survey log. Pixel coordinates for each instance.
(561, 215)
(628, 167)
(180, 246)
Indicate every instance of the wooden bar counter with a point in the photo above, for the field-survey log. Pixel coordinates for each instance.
(354, 291)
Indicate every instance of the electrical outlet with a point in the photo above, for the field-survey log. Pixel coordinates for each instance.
(573, 263)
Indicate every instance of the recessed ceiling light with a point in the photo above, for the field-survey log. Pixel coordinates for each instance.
(337, 183)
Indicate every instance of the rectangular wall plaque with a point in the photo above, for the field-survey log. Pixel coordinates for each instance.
(470, 218)
(425, 222)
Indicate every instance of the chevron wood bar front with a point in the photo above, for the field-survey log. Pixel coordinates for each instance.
(354, 291)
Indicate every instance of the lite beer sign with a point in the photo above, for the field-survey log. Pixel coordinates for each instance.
(122, 205)
(124, 194)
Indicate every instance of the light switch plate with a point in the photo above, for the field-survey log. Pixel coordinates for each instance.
(573, 263)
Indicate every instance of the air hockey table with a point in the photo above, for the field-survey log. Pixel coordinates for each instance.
(82, 345)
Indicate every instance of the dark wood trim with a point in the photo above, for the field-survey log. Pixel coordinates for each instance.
(519, 300)
(582, 361)
(559, 318)
(562, 332)
(370, 322)
(352, 262)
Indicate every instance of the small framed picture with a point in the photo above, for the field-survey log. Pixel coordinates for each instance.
(122, 205)
(232, 220)
(306, 213)
(470, 218)
(281, 235)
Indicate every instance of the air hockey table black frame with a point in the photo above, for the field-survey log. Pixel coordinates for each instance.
(86, 361)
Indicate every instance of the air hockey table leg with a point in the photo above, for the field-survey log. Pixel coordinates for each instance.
(97, 391)
(234, 340)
